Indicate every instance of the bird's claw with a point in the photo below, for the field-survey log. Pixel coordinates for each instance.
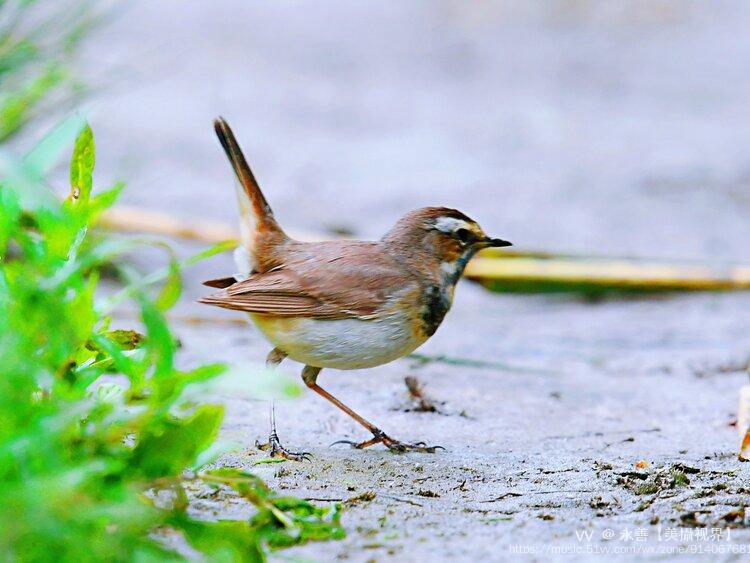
(379, 437)
(275, 449)
(347, 442)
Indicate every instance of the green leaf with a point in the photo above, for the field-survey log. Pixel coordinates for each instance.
(218, 248)
(172, 288)
(16, 109)
(15, 57)
(168, 446)
(103, 201)
(269, 461)
(228, 541)
(160, 346)
(125, 339)
(10, 217)
(82, 166)
(126, 365)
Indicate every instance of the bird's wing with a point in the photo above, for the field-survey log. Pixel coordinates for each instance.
(334, 285)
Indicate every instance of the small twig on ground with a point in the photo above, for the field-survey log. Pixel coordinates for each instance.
(367, 496)
(514, 494)
(503, 496)
(460, 487)
(422, 402)
(598, 434)
(425, 359)
(732, 366)
(401, 499)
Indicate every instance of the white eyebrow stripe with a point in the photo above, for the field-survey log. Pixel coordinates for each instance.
(450, 224)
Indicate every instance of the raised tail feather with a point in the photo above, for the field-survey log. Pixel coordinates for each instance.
(255, 211)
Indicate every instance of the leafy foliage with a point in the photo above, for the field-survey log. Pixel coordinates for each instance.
(94, 421)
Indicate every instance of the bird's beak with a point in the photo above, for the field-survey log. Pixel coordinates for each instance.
(496, 242)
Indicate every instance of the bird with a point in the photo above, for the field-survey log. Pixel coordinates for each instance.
(343, 304)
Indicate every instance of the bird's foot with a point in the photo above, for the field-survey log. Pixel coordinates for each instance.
(275, 449)
(380, 437)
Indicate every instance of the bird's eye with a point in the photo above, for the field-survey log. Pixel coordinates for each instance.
(464, 236)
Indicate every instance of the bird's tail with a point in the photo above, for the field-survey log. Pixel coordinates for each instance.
(256, 216)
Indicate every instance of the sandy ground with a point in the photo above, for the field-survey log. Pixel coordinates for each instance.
(609, 127)
(544, 414)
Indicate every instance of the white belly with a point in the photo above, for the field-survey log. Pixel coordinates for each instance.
(341, 344)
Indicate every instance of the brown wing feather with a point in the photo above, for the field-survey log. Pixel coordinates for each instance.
(320, 280)
(275, 305)
(276, 293)
(221, 283)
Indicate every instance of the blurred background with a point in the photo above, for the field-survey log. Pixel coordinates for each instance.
(618, 127)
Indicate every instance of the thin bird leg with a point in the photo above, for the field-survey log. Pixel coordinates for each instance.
(310, 376)
(275, 357)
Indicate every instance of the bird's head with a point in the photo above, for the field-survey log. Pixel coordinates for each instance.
(440, 237)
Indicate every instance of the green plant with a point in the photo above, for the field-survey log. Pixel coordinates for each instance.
(38, 41)
(97, 424)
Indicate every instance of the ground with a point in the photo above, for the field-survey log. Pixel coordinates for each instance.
(544, 411)
(570, 126)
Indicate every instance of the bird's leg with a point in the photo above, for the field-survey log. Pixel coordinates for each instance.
(310, 376)
(273, 446)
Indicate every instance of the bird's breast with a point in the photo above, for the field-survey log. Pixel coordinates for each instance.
(343, 343)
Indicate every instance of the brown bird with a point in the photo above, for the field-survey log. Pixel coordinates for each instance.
(343, 304)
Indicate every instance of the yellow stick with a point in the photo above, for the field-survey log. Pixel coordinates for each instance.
(126, 219)
(583, 274)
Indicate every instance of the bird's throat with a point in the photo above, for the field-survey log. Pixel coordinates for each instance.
(452, 270)
(439, 296)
